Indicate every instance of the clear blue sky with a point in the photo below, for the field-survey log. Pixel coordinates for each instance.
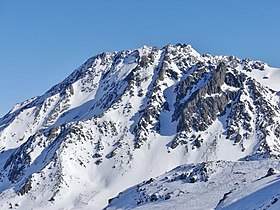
(41, 42)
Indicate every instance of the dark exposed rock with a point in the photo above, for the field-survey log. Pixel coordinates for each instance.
(183, 176)
(26, 187)
(150, 181)
(205, 104)
(110, 200)
(192, 179)
(154, 197)
(271, 171)
(167, 196)
(238, 138)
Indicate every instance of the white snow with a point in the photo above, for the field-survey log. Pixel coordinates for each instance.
(268, 77)
(240, 185)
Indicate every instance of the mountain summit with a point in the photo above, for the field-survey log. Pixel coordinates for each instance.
(124, 117)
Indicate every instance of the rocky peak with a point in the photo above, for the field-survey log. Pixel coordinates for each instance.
(121, 113)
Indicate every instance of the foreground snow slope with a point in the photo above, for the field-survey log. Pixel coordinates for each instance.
(211, 185)
(126, 116)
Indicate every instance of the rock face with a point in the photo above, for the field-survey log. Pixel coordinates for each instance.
(124, 116)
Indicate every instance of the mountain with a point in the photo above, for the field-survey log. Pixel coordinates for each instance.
(124, 117)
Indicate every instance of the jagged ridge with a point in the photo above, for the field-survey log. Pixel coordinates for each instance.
(119, 113)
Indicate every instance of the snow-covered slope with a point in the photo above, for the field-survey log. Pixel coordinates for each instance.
(125, 116)
(211, 185)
